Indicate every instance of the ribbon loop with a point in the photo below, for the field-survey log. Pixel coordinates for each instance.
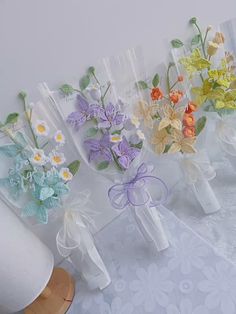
(74, 233)
(136, 192)
(74, 241)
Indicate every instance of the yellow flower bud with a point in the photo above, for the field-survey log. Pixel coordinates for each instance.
(219, 38)
(212, 48)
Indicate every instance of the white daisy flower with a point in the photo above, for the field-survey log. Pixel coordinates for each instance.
(56, 158)
(115, 138)
(38, 157)
(41, 128)
(59, 137)
(65, 174)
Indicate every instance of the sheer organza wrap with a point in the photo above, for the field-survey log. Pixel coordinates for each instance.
(147, 217)
(56, 146)
(219, 142)
(133, 63)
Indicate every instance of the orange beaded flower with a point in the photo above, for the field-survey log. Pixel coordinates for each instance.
(188, 119)
(156, 94)
(189, 131)
(192, 107)
(176, 96)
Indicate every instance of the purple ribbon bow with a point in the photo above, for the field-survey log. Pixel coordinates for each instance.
(136, 193)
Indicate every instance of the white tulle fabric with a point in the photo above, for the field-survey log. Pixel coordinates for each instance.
(197, 170)
(75, 242)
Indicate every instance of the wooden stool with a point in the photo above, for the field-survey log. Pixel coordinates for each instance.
(57, 297)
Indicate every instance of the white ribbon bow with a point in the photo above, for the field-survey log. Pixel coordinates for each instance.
(75, 241)
(197, 166)
(77, 218)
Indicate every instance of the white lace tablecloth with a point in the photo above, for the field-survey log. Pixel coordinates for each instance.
(188, 278)
(219, 229)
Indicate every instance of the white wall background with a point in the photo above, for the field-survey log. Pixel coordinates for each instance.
(55, 41)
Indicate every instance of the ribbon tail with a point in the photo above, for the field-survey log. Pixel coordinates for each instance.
(197, 172)
(84, 255)
(205, 196)
(99, 276)
(150, 225)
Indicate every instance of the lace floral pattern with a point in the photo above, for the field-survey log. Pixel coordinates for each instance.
(188, 278)
(219, 229)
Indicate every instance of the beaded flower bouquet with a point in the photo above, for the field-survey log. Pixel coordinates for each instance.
(211, 81)
(39, 180)
(111, 143)
(170, 124)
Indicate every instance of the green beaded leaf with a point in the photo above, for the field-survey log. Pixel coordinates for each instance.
(196, 40)
(200, 124)
(103, 165)
(141, 85)
(176, 43)
(12, 118)
(74, 166)
(67, 89)
(84, 82)
(155, 80)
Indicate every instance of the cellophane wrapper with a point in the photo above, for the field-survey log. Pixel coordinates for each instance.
(128, 174)
(199, 184)
(39, 180)
(220, 146)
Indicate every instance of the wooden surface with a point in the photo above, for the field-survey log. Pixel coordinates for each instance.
(57, 297)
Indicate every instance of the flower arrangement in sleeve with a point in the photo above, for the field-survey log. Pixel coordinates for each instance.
(214, 68)
(110, 138)
(42, 176)
(39, 173)
(171, 125)
(111, 142)
(211, 73)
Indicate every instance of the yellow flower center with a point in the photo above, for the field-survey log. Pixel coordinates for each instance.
(66, 174)
(57, 159)
(41, 128)
(59, 137)
(37, 157)
(115, 138)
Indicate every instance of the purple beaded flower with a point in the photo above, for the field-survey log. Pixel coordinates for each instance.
(99, 149)
(85, 112)
(110, 117)
(125, 153)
